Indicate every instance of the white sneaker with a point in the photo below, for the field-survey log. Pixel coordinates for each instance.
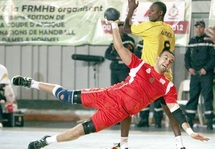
(1, 126)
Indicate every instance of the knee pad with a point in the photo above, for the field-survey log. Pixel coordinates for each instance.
(179, 116)
(68, 95)
(77, 97)
(89, 127)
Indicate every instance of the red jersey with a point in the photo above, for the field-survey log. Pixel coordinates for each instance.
(142, 87)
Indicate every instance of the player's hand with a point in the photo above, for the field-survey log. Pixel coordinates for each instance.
(210, 31)
(199, 137)
(132, 4)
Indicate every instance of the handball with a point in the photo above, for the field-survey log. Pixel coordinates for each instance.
(111, 14)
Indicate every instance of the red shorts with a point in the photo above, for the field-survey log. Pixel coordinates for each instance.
(109, 111)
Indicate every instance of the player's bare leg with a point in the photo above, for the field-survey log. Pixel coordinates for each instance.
(30, 83)
(175, 128)
(125, 126)
(56, 90)
(68, 135)
(46, 87)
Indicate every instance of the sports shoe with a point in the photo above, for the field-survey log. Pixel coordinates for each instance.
(183, 148)
(117, 146)
(38, 143)
(21, 81)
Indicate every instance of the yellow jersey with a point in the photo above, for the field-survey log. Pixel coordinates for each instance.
(157, 36)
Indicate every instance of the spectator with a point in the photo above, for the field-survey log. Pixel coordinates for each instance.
(138, 49)
(119, 71)
(6, 93)
(200, 62)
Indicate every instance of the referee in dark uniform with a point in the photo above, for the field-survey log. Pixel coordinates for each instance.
(200, 62)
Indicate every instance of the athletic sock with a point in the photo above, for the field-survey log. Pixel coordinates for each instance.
(35, 84)
(124, 142)
(51, 139)
(179, 142)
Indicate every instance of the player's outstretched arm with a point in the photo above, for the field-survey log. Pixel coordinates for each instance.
(181, 119)
(193, 134)
(210, 31)
(132, 5)
(123, 52)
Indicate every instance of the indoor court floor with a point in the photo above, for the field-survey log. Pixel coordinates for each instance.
(140, 138)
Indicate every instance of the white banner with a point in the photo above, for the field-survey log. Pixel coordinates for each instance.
(78, 22)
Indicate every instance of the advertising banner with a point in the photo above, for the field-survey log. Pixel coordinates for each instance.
(78, 22)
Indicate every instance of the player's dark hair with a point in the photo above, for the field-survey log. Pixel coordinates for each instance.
(161, 6)
(166, 51)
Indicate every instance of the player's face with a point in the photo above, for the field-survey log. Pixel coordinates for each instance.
(164, 62)
(154, 13)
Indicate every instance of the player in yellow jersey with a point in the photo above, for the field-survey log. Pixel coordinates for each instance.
(150, 30)
(157, 36)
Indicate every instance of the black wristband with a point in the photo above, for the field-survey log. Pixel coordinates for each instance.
(179, 116)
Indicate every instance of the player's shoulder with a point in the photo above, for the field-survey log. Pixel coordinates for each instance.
(162, 24)
(167, 26)
(150, 23)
